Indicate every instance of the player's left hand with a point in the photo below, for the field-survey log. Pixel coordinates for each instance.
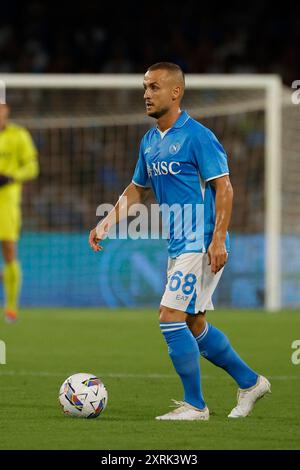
(217, 255)
(5, 180)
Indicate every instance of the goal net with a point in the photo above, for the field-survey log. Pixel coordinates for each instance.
(87, 130)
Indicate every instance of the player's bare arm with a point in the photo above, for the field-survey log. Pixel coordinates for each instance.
(224, 196)
(133, 194)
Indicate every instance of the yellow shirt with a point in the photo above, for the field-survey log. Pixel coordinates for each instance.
(18, 159)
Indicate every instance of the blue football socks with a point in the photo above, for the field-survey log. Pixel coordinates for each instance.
(184, 353)
(215, 346)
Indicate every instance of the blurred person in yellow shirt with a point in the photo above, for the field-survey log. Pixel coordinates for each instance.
(18, 163)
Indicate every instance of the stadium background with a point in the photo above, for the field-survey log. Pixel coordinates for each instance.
(88, 148)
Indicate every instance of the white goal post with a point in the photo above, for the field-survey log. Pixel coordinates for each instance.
(271, 86)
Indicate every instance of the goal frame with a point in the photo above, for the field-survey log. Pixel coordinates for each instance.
(270, 84)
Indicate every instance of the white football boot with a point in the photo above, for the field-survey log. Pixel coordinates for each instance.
(185, 411)
(246, 398)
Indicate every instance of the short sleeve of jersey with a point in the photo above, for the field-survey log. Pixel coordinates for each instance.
(210, 156)
(140, 176)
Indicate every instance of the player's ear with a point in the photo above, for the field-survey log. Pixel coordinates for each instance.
(176, 92)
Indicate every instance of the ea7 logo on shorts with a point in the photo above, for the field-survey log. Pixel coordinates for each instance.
(174, 148)
(163, 168)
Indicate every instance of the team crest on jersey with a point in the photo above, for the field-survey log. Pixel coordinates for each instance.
(174, 148)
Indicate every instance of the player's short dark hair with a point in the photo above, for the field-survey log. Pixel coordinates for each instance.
(170, 66)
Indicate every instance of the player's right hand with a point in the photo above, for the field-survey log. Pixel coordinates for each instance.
(96, 235)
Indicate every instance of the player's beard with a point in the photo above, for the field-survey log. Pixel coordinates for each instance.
(158, 113)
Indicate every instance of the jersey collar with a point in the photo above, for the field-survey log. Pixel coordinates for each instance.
(180, 121)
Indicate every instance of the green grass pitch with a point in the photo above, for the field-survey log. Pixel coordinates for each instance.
(126, 349)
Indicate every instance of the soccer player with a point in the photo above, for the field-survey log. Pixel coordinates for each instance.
(18, 163)
(186, 165)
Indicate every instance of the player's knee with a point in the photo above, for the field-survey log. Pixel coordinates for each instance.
(9, 252)
(9, 258)
(196, 323)
(167, 314)
(164, 313)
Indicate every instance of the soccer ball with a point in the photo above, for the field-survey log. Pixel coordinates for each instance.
(83, 396)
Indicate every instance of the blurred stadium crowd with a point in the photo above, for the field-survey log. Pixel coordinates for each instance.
(99, 37)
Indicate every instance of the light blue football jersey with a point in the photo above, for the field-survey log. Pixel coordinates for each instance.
(178, 167)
